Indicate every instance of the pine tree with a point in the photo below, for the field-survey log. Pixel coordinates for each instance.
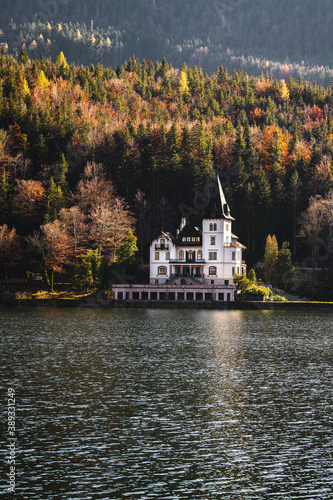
(55, 201)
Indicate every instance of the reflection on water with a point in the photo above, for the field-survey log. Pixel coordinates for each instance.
(157, 404)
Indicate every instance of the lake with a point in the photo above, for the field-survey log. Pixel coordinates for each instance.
(169, 404)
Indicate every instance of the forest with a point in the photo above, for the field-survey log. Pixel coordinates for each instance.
(90, 156)
(287, 38)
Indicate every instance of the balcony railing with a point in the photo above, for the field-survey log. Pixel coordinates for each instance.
(187, 261)
(160, 246)
(184, 275)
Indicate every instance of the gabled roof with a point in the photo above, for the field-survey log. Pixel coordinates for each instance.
(189, 231)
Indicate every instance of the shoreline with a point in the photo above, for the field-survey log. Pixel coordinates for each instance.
(97, 300)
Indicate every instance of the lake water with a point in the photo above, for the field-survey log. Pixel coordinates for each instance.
(169, 404)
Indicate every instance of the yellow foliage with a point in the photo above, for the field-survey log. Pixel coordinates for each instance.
(284, 91)
(183, 83)
(42, 82)
(25, 88)
(61, 61)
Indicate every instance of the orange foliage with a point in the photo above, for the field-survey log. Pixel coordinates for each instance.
(273, 142)
(263, 87)
(313, 117)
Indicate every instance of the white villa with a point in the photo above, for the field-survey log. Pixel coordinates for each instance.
(196, 263)
(207, 254)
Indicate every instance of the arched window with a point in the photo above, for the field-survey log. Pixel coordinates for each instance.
(212, 271)
(162, 270)
(199, 255)
(181, 254)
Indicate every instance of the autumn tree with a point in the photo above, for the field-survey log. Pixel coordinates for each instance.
(29, 201)
(271, 253)
(55, 247)
(10, 249)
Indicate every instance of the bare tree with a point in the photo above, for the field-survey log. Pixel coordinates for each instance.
(75, 223)
(312, 222)
(101, 226)
(93, 189)
(122, 220)
(109, 224)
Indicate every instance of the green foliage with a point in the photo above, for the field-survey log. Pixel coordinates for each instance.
(252, 276)
(86, 273)
(129, 252)
(247, 289)
(55, 201)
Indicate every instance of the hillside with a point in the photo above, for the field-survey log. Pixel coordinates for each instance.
(161, 135)
(288, 37)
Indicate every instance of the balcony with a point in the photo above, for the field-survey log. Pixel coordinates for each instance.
(187, 261)
(161, 246)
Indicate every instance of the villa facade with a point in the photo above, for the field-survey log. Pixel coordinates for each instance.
(194, 264)
(206, 254)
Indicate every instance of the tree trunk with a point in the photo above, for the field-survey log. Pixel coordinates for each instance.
(52, 280)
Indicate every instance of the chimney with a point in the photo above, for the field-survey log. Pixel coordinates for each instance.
(182, 223)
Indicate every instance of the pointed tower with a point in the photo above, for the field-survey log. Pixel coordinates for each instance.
(220, 247)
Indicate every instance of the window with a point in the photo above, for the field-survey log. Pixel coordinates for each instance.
(212, 240)
(183, 238)
(181, 254)
(188, 238)
(199, 255)
(157, 255)
(162, 242)
(191, 255)
(212, 255)
(162, 270)
(197, 239)
(213, 227)
(233, 271)
(233, 256)
(227, 227)
(212, 271)
(167, 256)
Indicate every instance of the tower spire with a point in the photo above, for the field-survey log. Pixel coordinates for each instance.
(224, 205)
